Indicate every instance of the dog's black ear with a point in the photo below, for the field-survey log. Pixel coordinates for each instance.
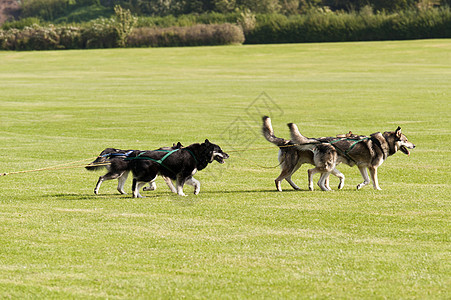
(398, 132)
(207, 142)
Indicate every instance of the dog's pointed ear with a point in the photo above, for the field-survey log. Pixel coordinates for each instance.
(398, 132)
(207, 142)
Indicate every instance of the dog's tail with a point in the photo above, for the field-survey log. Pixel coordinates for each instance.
(296, 136)
(101, 160)
(98, 164)
(268, 133)
(325, 157)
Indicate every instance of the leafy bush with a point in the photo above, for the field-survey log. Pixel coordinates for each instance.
(30, 38)
(197, 35)
(327, 26)
(21, 24)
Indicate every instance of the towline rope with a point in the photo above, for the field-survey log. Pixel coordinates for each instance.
(69, 165)
(56, 167)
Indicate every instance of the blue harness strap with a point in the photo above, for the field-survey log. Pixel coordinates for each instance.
(126, 154)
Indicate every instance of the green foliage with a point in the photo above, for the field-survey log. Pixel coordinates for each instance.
(85, 14)
(20, 24)
(124, 23)
(326, 26)
(197, 35)
(188, 20)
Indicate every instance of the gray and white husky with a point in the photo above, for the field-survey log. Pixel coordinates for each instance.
(365, 152)
(291, 156)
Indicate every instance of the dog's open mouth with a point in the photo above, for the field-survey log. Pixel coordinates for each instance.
(219, 157)
(404, 150)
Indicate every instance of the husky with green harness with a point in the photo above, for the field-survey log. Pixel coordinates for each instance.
(179, 165)
(365, 152)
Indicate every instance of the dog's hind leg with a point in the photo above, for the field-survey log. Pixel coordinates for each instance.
(170, 184)
(195, 183)
(341, 177)
(99, 183)
(179, 185)
(137, 185)
(366, 179)
(152, 186)
(293, 185)
(373, 172)
(107, 176)
(121, 182)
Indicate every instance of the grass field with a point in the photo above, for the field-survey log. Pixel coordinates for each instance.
(238, 238)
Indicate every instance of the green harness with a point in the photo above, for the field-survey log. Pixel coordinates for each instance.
(345, 153)
(161, 160)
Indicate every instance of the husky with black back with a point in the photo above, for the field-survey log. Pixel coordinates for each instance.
(114, 160)
(179, 165)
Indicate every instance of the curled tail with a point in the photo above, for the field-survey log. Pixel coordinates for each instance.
(268, 133)
(297, 137)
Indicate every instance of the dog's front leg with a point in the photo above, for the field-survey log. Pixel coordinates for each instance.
(366, 179)
(310, 173)
(322, 183)
(195, 183)
(373, 172)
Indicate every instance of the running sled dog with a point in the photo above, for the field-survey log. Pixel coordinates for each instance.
(179, 165)
(365, 152)
(118, 167)
(322, 155)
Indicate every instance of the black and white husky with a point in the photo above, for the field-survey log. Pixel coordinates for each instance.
(118, 167)
(179, 165)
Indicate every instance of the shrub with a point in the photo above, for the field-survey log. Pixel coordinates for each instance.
(327, 26)
(21, 24)
(30, 38)
(196, 35)
(100, 33)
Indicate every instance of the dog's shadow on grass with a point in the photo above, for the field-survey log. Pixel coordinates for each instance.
(183, 201)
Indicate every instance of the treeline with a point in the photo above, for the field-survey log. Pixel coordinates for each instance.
(58, 11)
(125, 29)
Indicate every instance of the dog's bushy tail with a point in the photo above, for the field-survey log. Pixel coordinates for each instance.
(101, 160)
(296, 136)
(268, 133)
(325, 157)
(98, 164)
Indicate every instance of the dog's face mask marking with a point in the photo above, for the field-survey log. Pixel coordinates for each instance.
(216, 153)
(402, 143)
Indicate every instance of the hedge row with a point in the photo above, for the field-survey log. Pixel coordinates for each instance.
(197, 35)
(105, 35)
(339, 27)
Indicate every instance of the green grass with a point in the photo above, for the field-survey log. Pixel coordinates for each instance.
(238, 238)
